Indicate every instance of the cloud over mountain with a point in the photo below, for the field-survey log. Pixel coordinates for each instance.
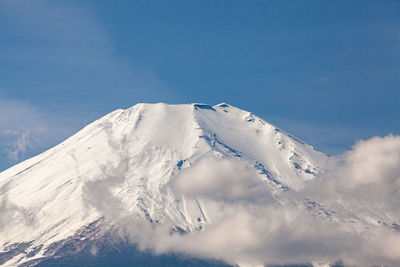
(214, 182)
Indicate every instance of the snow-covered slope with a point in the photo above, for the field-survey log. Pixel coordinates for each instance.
(127, 162)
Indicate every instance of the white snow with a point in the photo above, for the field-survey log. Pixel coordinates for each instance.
(130, 158)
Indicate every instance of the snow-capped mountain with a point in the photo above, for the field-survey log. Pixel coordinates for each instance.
(125, 168)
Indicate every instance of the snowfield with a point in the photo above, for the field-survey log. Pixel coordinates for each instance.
(211, 181)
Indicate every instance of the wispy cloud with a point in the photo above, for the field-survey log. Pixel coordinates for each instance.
(12, 213)
(27, 129)
(222, 179)
(19, 145)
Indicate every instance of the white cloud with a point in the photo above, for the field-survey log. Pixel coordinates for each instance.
(222, 179)
(254, 230)
(374, 162)
(366, 176)
(254, 234)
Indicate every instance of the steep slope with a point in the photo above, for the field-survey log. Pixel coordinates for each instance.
(124, 166)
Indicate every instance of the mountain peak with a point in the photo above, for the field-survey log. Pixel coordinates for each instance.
(128, 162)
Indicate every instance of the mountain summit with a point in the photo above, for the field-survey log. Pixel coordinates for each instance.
(180, 168)
(126, 163)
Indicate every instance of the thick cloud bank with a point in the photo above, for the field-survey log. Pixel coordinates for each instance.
(371, 172)
(365, 179)
(359, 198)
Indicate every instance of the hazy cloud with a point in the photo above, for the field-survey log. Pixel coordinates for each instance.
(222, 179)
(99, 192)
(11, 213)
(19, 145)
(25, 128)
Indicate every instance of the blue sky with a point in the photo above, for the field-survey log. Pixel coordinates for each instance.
(326, 71)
